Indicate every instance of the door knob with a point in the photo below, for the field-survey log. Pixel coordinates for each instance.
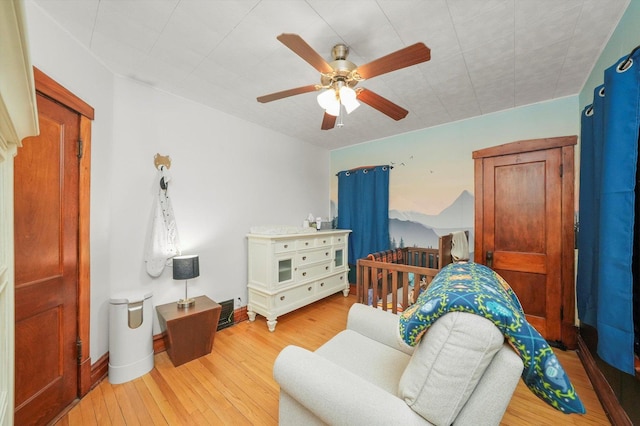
(489, 259)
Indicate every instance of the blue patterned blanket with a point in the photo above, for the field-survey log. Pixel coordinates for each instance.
(474, 288)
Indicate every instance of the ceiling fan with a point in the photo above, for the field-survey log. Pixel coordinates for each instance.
(340, 76)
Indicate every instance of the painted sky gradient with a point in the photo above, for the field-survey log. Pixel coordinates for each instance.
(433, 166)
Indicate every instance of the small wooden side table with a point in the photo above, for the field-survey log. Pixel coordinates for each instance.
(189, 333)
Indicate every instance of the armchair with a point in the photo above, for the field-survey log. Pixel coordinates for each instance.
(460, 373)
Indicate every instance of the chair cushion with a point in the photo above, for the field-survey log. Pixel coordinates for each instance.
(365, 357)
(447, 365)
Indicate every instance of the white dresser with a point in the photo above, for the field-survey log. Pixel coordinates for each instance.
(287, 272)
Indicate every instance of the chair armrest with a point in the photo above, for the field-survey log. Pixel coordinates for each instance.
(336, 395)
(376, 324)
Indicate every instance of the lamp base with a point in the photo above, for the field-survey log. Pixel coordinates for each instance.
(186, 303)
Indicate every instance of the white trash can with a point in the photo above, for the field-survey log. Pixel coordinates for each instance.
(130, 336)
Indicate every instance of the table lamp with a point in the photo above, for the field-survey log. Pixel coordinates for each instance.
(185, 268)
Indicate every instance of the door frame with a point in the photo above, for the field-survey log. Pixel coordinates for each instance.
(46, 86)
(18, 120)
(566, 144)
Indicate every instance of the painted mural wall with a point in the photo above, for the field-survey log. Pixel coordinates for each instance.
(432, 182)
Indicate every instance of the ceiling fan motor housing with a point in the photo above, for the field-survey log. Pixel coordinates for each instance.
(342, 69)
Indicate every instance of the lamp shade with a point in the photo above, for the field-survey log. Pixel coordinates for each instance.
(186, 267)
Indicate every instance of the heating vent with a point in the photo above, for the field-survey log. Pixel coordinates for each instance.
(226, 315)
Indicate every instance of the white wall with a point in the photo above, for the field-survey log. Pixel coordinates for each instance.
(228, 175)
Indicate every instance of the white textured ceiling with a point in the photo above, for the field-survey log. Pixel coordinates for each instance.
(486, 55)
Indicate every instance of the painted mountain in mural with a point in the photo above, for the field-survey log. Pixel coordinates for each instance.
(458, 215)
(405, 233)
(422, 230)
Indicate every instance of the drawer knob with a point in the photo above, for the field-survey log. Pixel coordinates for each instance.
(304, 274)
(326, 254)
(304, 257)
(326, 268)
(324, 241)
(307, 243)
(321, 284)
(286, 246)
(341, 278)
(309, 289)
(281, 297)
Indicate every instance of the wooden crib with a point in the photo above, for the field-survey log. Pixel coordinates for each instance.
(381, 275)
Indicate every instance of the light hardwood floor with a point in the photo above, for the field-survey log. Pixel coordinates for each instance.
(234, 384)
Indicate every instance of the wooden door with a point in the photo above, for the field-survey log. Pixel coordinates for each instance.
(46, 266)
(522, 198)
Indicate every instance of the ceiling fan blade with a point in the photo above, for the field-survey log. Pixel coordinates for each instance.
(328, 121)
(383, 105)
(306, 52)
(286, 93)
(411, 55)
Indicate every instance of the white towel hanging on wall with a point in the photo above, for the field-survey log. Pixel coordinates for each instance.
(163, 243)
(459, 246)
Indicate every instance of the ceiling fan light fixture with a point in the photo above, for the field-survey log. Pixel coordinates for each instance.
(351, 106)
(327, 98)
(333, 109)
(348, 99)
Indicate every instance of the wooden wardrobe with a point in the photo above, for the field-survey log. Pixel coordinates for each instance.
(524, 228)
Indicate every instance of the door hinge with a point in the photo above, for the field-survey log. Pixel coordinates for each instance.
(80, 148)
(561, 169)
(79, 348)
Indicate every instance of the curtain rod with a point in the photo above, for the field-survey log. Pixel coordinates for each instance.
(364, 168)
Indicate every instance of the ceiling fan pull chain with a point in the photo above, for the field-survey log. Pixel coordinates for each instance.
(339, 123)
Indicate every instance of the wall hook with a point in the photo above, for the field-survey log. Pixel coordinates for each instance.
(162, 160)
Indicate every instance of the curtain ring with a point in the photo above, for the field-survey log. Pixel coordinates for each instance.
(589, 111)
(384, 168)
(347, 173)
(601, 92)
(365, 171)
(627, 62)
(625, 65)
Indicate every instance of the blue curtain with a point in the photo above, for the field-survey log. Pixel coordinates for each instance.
(363, 207)
(608, 166)
(591, 141)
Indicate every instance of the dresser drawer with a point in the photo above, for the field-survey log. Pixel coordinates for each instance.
(331, 284)
(306, 243)
(339, 239)
(313, 256)
(294, 296)
(284, 246)
(324, 241)
(312, 272)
